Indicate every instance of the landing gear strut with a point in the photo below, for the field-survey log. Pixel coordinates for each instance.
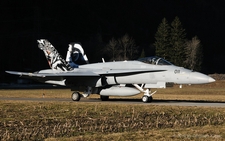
(147, 97)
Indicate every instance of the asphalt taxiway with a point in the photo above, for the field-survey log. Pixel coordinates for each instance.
(125, 101)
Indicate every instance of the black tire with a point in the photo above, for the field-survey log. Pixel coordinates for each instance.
(150, 99)
(75, 96)
(145, 99)
(104, 98)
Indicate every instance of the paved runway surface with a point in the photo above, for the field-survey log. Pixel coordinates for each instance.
(126, 101)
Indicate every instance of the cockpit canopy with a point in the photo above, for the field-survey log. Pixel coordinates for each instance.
(154, 60)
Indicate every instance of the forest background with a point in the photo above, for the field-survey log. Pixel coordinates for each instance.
(97, 24)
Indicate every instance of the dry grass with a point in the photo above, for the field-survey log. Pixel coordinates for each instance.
(206, 133)
(208, 92)
(102, 121)
(22, 120)
(36, 93)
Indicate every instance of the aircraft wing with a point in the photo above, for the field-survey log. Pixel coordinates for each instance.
(78, 76)
(80, 73)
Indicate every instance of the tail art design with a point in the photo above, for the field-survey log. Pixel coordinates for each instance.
(75, 55)
(55, 61)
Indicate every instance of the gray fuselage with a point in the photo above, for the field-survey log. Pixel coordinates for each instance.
(156, 74)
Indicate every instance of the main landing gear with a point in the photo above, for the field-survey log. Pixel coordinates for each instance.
(147, 97)
(75, 96)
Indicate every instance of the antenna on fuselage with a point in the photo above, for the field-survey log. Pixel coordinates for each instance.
(103, 60)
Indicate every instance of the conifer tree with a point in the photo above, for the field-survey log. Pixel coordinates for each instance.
(171, 44)
(177, 42)
(162, 43)
(142, 54)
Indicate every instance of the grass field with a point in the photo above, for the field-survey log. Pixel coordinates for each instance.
(207, 92)
(23, 120)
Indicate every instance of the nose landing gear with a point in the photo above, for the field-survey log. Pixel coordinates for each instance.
(146, 98)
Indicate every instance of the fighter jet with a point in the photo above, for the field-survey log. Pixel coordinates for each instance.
(117, 78)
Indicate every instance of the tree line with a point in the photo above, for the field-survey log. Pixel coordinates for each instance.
(170, 43)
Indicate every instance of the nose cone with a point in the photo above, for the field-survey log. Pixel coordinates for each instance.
(199, 78)
(211, 80)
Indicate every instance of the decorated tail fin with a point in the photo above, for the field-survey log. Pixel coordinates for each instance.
(75, 55)
(55, 61)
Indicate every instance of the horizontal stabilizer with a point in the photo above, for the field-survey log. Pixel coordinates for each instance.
(55, 74)
(25, 74)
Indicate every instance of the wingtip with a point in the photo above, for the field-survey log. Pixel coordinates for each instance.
(14, 72)
(8, 72)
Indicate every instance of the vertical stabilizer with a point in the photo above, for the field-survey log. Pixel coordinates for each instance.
(55, 61)
(75, 55)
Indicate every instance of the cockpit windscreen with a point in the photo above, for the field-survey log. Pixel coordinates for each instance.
(154, 61)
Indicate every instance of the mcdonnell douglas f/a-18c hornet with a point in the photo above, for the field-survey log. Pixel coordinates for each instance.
(118, 78)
